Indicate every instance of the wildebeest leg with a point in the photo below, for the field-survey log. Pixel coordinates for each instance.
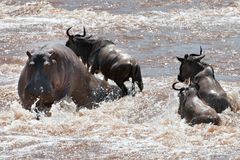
(205, 119)
(123, 88)
(133, 85)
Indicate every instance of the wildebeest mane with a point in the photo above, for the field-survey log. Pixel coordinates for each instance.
(95, 44)
(204, 65)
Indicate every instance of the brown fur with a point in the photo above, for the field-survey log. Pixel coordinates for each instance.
(193, 109)
(103, 57)
(56, 74)
(210, 91)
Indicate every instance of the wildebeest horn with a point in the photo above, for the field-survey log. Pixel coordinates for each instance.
(67, 32)
(197, 54)
(195, 59)
(173, 86)
(89, 37)
(199, 58)
(28, 54)
(84, 33)
(200, 50)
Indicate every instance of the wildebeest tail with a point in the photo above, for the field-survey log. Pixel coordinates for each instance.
(137, 76)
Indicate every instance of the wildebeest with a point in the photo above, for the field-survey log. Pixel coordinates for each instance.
(82, 45)
(193, 109)
(203, 74)
(53, 72)
(103, 57)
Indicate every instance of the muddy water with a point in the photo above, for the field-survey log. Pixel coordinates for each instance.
(146, 126)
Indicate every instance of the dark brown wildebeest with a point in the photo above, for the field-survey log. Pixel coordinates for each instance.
(54, 72)
(103, 57)
(82, 49)
(193, 109)
(210, 90)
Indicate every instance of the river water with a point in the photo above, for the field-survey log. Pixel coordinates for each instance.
(146, 126)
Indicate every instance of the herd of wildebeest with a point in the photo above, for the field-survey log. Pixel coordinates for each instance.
(55, 71)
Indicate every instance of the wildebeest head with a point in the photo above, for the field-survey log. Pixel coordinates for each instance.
(181, 95)
(40, 69)
(190, 66)
(184, 93)
(181, 90)
(80, 44)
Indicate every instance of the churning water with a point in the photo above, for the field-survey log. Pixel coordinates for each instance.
(146, 126)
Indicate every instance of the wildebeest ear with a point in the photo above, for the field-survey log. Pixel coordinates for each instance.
(29, 54)
(180, 59)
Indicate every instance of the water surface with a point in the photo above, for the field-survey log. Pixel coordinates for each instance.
(146, 126)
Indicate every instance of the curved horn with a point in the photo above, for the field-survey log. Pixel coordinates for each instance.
(200, 50)
(88, 37)
(29, 54)
(199, 58)
(197, 54)
(84, 32)
(194, 59)
(173, 86)
(67, 32)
